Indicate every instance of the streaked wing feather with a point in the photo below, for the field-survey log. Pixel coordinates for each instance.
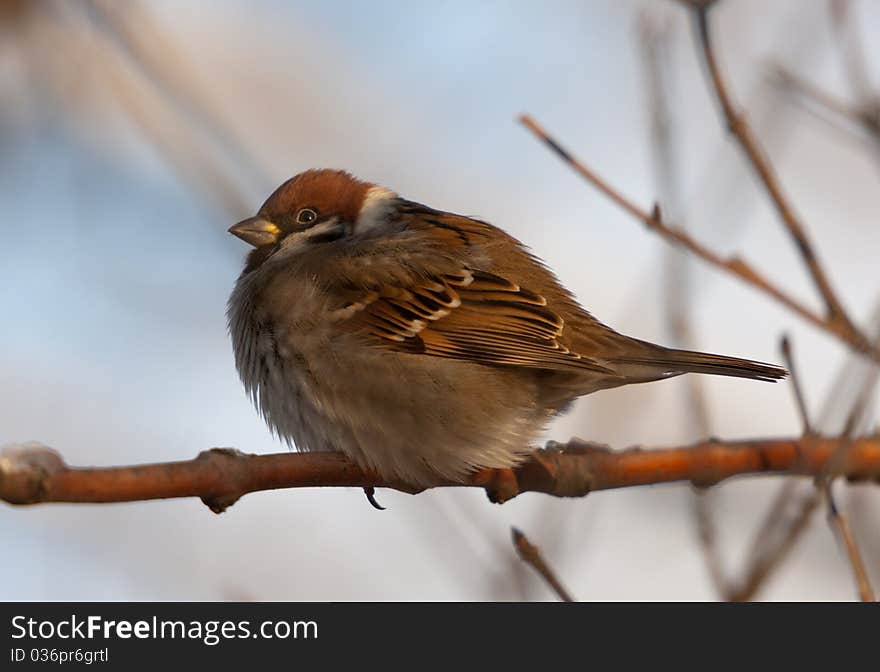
(470, 315)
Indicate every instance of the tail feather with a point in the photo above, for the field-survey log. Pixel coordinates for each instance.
(668, 362)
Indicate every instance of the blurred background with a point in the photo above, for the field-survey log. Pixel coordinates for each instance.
(132, 134)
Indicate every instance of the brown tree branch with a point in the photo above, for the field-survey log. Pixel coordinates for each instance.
(35, 474)
(733, 265)
(531, 555)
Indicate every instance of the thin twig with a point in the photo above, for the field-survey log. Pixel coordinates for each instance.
(739, 127)
(839, 523)
(797, 388)
(531, 555)
(733, 265)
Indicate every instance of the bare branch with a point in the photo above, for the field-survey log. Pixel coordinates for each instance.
(751, 147)
(37, 474)
(531, 555)
(734, 265)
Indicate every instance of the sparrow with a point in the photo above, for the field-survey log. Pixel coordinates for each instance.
(422, 344)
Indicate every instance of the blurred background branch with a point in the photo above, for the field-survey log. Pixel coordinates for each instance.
(836, 319)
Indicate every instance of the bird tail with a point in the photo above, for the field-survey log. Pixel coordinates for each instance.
(668, 362)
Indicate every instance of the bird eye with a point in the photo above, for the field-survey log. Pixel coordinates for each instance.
(306, 216)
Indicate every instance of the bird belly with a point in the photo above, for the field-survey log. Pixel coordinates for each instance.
(403, 416)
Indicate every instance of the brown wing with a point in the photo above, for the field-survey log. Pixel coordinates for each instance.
(471, 315)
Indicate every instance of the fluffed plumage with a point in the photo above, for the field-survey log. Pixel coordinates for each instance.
(421, 343)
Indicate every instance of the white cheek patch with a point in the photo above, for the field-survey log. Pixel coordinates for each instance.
(378, 203)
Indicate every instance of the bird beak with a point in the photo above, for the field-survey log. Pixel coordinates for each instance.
(256, 231)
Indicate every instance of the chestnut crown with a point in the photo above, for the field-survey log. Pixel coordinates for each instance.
(327, 193)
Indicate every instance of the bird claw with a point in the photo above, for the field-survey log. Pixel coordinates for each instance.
(370, 492)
